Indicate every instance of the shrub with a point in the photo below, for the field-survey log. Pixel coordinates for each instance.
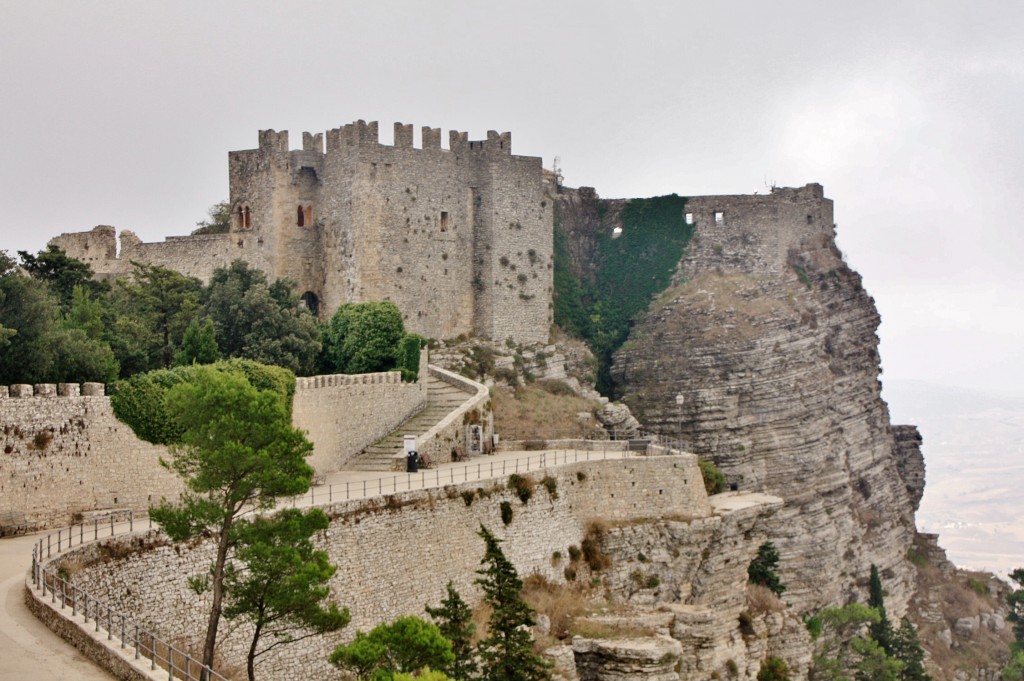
(468, 496)
(581, 476)
(523, 485)
(746, 624)
(535, 445)
(569, 573)
(407, 355)
(714, 480)
(506, 512)
(591, 546)
(551, 485)
(773, 669)
(762, 568)
(574, 553)
(556, 387)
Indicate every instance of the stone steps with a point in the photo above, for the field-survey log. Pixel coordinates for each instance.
(442, 399)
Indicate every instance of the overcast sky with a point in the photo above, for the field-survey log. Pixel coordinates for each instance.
(909, 114)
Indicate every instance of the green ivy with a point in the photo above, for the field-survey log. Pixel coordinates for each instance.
(629, 271)
(408, 356)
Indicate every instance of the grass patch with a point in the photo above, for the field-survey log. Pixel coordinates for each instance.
(531, 412)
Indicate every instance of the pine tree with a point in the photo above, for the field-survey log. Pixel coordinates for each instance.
(455, 620)
(507, 652)
(907, 649)
(881, 631)
(762, 569)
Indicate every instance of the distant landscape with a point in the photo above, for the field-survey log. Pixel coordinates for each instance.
(974, 454)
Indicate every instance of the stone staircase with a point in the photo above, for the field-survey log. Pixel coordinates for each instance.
(442, 399)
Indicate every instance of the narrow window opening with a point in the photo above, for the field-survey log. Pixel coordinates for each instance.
(248, 223)
(810, 219)
(719, 217)
(241, 218)
(309, 215)
(301, 221)
(689, 218)
(444, 221)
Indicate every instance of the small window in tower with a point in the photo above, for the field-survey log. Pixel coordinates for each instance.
(301, 219)
(444, 221)
(719, 217)
(309, 215)
(248, 223)
(241, 218)
(689, 218)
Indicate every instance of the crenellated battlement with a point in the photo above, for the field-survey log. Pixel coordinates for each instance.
(361, 134)
(334, 380)
(25, 390)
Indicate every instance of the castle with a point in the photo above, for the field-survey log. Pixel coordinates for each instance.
(460, 239)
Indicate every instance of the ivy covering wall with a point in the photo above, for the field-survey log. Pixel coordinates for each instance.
(630, 269)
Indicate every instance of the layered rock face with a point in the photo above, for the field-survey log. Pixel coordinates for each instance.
(763, 356)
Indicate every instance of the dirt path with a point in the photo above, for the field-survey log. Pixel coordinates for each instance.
(28, 650)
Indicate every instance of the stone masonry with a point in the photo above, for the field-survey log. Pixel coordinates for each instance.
(460, 239)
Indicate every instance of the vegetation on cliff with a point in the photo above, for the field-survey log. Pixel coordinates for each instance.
(630, 268)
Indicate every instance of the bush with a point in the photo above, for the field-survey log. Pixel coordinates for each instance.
(523, 485)
(535, 445)
(773, 669)
(714, 480)
(506, 512)
(591, 547)
(551, 485)
(556, 387)
(468, 496)
(407, 355)
(761, 570)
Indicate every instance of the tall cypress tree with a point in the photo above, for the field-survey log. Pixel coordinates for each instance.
(507, 652)
(881, 631)
(907, 649)
(455, 620)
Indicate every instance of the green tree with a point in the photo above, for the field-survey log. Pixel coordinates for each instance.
(279, 581)
(425, 674)
(61, 273)
(1016, 602)
(260, 321)
(28, 314)
(238, 452)
(218, 220)
(881, 631)
(363, 337)
(507, 652)
(873, 663)
(198, 344)
(762, 568)
(839, 627)
(907, 649)
(154, 307)
(454, 618)
(406, 645)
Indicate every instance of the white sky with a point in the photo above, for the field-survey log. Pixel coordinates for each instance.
(908, 113)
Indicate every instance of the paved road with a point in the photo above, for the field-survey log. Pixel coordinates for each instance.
(28, 650)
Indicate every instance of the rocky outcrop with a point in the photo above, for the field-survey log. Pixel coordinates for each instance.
(763, 356)
(910, 461)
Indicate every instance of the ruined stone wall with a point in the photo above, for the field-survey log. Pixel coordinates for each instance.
(63, 454)
(342, 414)
(396, 554)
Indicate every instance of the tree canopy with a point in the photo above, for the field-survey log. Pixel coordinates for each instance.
(237, 451)
(406, 645)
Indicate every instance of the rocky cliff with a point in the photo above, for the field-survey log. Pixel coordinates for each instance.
(763, 356)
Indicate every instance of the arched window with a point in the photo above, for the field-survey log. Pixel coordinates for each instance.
(241, 219)
(248, 224)
(301, 221)
(309, 215)
(311, 302)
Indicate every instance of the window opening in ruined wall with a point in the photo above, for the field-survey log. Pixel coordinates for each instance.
(301, 219)
(444, 221)
(309, 215)
(243, 218)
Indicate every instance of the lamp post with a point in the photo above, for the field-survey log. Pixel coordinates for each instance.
(680, 398)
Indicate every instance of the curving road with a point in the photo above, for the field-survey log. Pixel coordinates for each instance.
(28, 650)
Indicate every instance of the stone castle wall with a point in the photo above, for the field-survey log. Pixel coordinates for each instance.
(460, 239)
(396, 554)
(63, 452)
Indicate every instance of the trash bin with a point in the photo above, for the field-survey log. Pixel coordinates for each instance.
(412, 462)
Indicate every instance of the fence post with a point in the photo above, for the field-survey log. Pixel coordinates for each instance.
(74, 601)
(110, 633)
(96, 612)
(152, 652)
(136, 641)
(95, 529)
(111, 524)
(122, 631)
(131, 521)
(170, 662)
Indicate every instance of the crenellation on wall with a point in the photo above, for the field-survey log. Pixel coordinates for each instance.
(368, 221)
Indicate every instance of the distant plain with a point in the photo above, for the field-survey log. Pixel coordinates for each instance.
(974, 457)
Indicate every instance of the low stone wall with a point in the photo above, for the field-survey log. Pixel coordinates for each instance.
(63, 453)
(395, 554)
(342, 414)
